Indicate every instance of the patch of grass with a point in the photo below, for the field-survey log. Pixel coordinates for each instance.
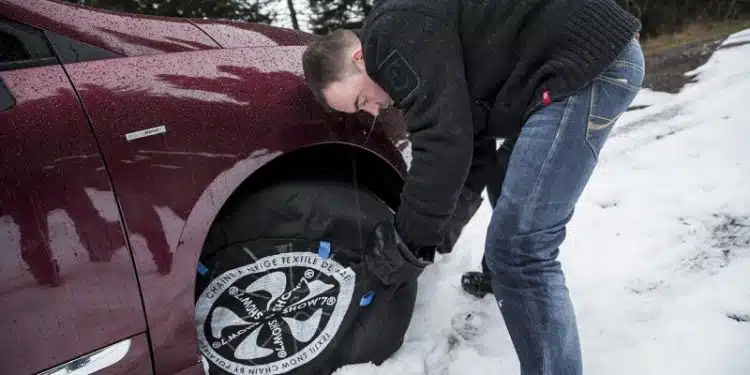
(693, 33)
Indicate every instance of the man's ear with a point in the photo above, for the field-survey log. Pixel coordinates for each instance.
(357, 54)
(358, 58)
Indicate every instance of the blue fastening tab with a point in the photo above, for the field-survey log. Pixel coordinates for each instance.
(366, 298)
(202, 269)
(324, 250)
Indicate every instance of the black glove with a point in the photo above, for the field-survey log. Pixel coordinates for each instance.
(390, 259)
(467, 205)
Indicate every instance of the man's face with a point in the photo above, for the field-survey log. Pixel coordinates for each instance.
(357, 91)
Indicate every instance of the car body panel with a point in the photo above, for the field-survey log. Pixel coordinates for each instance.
(127, 357)
(234, 34)
(122, 33)
(57, 206)
(137, 361)
(224, 114)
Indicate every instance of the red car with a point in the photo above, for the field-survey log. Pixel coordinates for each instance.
(172, 200)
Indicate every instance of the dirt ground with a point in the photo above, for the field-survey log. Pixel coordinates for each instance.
(666, 68)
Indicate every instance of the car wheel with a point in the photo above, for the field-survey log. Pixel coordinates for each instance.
(282, 287)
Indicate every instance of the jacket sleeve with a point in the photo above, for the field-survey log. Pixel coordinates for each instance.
(483, 165)
(418, 60)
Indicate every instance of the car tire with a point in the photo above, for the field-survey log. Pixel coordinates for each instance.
(282, 287)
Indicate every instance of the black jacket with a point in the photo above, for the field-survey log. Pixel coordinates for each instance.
(466, 70)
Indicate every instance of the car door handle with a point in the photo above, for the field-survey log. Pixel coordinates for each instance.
(7, 101)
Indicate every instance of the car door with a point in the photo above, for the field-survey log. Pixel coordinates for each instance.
(68, 288)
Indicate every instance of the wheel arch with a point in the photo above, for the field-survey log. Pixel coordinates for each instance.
(334, 161)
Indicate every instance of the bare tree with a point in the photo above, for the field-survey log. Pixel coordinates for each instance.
(292, 14)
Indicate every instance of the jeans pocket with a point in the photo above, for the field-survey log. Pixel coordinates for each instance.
(611, 94)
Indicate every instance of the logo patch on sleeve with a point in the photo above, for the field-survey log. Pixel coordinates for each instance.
(397, 76)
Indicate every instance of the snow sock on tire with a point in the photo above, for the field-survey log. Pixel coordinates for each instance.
(283, 285)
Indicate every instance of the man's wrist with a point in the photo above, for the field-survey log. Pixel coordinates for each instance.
(419, 228)
(417, 250)
(425, 253)
(390, 258)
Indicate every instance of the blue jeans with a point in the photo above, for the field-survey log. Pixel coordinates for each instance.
(550, 164)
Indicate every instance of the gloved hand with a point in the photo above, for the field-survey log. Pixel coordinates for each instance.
(390, 259)
(467, 205)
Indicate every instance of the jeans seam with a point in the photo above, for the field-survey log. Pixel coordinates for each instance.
(614, 81)
(563, 123)
(627, 64)
(592, 94)
(535, 329)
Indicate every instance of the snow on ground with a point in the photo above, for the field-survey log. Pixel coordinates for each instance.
(657, 255)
